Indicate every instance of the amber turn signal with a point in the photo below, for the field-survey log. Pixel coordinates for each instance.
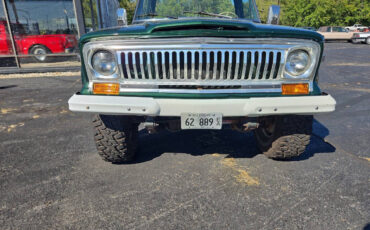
(295, 89)
(106, 88)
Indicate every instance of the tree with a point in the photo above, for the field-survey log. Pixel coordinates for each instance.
(318, 13)
(130, 6)
(263, 7)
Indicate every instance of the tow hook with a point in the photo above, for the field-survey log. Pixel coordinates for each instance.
(251, 126)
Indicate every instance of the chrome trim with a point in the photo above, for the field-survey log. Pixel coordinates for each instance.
(245, 55)
(256, 87)
(200, 63)
(250, 68)
(313, 52)
(204, 91)
(95, 74)
(274, 60)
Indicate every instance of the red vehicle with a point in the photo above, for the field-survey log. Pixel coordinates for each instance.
(36, 44)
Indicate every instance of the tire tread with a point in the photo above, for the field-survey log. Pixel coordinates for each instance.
(292, 135)
(115, 138)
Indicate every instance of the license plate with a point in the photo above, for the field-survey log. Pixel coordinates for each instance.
(201, 121)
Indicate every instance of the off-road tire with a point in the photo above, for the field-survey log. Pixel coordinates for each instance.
(289, 137)
(116, 138)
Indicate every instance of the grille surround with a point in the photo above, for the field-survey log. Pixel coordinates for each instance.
(198, 70)
(201, 66)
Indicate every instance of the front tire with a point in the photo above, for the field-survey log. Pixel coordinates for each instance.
(368, 40)
(116, 138)
(284, 137)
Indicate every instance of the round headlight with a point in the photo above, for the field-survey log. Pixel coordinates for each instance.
(297, 63)
(104, 63)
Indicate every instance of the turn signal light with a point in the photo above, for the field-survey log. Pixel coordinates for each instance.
(106, 88)
(295, 89)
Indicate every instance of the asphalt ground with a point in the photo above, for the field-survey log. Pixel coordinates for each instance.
(51, 176)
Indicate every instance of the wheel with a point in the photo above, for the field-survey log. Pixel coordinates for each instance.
(41, 52)
(284, 137)
(368, 40)
(116, 138)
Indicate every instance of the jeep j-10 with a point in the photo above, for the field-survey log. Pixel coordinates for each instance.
(201, 64)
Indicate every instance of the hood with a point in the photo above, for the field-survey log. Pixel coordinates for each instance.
(197, 27)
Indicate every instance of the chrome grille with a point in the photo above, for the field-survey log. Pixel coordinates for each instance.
(204, 67)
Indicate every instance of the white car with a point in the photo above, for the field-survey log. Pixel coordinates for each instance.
(361, 38)
(356, 27)
(335, 33)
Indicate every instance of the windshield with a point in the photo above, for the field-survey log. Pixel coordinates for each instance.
(175, 9)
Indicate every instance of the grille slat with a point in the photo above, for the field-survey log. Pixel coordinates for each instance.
(252, 66)
(178, 65)
(200, 64)
(259, 54)
(192, 55)
(267, 62)
(185, 65)
(237, 64)
(245, 64)
(156, 68)
(274, 57)
(133, 58)
(208, 58)
(209, 65)
(281, 66)
(223, 53)
(163, 62)
(149, 64)
(214, 73)
(127, 60)
(170, 59)
(142, 70)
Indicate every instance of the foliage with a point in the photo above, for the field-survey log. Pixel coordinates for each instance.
(177, 7)
(263, 7)
(129, 5)
(318, 13)
(87, 14)
(130, 8)
(314, 13)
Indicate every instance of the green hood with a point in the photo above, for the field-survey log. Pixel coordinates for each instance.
(204, 28)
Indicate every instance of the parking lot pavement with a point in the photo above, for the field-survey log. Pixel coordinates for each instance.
(51, 176)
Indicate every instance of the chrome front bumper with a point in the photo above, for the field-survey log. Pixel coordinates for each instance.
(251, 107)
(69, 50)
(359, 39)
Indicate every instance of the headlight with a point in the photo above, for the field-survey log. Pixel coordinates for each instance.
(104, 63)
(297, 63)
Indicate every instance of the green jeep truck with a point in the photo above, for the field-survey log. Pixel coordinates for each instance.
(201, 64)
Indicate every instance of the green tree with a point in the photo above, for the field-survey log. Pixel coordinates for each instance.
(177, 7)
(130, 6)
(263, 7)
(89, 19)
(325, 12)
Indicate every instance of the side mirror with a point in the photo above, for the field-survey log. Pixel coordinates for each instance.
(274, 15)
(121, 17)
